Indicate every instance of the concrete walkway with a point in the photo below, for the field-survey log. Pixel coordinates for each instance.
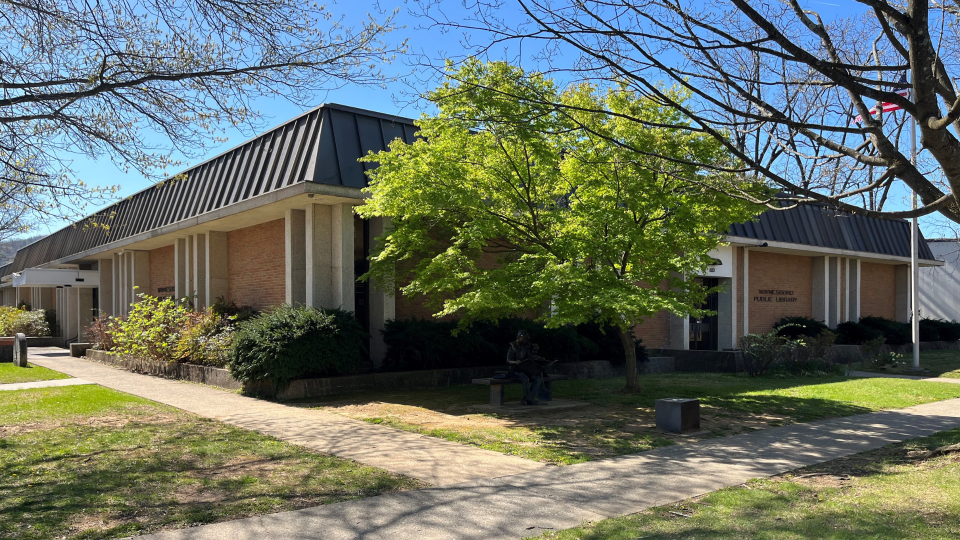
(870, 374)
(43, 384)
(432, 460)
(557, 498)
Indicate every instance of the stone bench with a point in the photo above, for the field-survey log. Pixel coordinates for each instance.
(497, 385)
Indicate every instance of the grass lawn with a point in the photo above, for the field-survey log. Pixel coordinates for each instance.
(937, 364)
(10, 373)
(890, 493)
(612, 423)
(89, 462)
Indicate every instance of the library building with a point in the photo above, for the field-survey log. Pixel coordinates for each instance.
(271, 221)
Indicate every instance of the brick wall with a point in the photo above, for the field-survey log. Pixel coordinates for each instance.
(878, 290)
(161, 271)
(772, 275)
(256, 269)
(655, 331)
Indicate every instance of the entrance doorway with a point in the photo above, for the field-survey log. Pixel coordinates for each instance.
(703, 330)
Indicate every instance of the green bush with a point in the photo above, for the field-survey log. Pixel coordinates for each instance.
(290, 343)
(929, 331)
(762, 351)
(896, 333)
(796, 327)
(854, 333)
(21, 321)
(945, 330)
(100, 333)
(231, 311)
(414, 344)
(151, 330)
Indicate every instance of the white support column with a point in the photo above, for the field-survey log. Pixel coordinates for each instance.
(821, 289)
(833, 293)
(84, 311)
(295, 257)
(342, 271)
(902, 292)
(117, 287)
(106, 287)
(199, 258)
(382, 304)
(852, 298)
(217, 284)
(318, 239)
(180, 281)
(745, 323)
(73, 309)
(191, 286)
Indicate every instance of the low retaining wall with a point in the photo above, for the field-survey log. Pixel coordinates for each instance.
(45, 342)
(171, 370)
(704, 361)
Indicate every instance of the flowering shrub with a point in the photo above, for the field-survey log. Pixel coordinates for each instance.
(20, 321)
(100, 333)
(151, 330)
(206, 339)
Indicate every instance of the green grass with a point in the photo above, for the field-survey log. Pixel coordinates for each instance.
(10, 373)
(731, 404)
(890, 493)
(88, 462)
(937, 364)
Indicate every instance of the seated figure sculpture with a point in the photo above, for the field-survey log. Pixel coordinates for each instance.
(527, 366)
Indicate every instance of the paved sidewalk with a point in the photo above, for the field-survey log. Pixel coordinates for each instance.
(432, 460)
(870, 374)
(43, 384)
(562, 497)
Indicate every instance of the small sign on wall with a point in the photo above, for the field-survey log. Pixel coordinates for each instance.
(166, 291)
(774, 295)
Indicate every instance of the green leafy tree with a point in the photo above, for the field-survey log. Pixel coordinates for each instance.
(583, 218)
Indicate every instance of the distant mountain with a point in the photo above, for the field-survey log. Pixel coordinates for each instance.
(9, 248)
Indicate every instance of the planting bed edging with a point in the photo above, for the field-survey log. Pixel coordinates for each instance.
(171, 370)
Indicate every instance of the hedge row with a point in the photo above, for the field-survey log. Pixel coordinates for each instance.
(870, 328)
(414, 344)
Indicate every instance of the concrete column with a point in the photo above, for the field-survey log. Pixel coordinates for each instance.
(84, 310)
(382, 303)
(106, 287)
(217, 284)
(117, 287)
(833, 295)
(129, 294)
(295, 256)
(199, 258)
(180, 280)
(317, 259)
(821, 289)
(73, 311)
(188, 270)
(342, 277)
(903, 293)
(140, 273)
(726, 313)
(63, 313)
(853, 290)
(745, 320)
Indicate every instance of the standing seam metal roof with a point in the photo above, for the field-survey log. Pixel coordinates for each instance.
(820, 226)
(321, 146)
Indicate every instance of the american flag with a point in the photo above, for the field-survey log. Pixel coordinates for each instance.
(887, 106)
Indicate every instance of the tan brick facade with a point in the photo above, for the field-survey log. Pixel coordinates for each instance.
(256, 268)
(162, 271)
(780, 286)
(878, 290)
(655, 331)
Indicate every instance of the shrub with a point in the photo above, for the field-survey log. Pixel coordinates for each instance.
(949, 330)
(100, 333)
(151, 330)
(796, 327)
(205, 339)
(945, 330)
(871, 349)
(19, 321)
(290, 343)
(896, 333)
(761, 351)
(50, 315)
(414, 344)
(231, 311)
(929, 330)
(854, 333)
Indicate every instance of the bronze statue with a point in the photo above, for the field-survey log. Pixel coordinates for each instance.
(527, 366)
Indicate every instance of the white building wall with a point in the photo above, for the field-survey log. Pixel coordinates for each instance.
(940, 285)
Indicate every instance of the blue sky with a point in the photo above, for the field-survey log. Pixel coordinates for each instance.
(395, 99)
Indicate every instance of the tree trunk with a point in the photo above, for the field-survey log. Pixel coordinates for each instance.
(630, 355)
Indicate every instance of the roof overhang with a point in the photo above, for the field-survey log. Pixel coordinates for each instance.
(814, 251)
(56, 277)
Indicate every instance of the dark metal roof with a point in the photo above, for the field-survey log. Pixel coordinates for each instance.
(820, 226)
(321, 146)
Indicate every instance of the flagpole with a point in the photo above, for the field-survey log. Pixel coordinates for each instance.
(914, 248)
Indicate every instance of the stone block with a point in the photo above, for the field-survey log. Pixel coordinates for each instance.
(79, 349)
(20, 350)
(676, 415)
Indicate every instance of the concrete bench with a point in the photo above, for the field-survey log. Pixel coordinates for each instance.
(497, 384)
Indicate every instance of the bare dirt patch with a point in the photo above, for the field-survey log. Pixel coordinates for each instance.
(109, 421)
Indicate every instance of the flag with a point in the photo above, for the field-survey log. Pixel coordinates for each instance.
(887, 106)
